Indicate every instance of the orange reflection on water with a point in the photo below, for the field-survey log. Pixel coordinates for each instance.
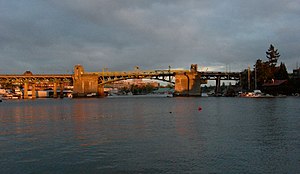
(85, 131)
(184, 120)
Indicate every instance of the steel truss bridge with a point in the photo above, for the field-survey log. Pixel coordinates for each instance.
(110, 77)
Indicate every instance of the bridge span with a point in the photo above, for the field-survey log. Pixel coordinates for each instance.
(187, 82)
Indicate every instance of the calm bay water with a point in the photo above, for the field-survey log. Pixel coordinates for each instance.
(150, 135)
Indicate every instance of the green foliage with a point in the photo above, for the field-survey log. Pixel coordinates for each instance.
(265, 71)
(273, 55)
(244, 79)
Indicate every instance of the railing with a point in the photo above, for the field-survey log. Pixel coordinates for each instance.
(106, 77)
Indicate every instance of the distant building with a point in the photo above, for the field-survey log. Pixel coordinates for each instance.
(295, 81)
(276, 87)
(296, 73)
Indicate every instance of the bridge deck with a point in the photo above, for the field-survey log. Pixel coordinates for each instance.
(35, 75)
(119, 75)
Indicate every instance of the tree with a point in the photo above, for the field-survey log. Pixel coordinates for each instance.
(261, 73)
(281, 72)
(264, 72)
(244, 79)
(273, 55)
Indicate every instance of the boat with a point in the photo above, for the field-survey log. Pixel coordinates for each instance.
(165, 95)
(160, 95)
(91, 95)
(10, 96)
(255, 94)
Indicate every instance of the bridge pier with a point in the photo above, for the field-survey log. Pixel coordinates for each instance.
(25, 95)
(188, 83)
(84, 83)
(218, 86)
(61, 86)
(55, 90)
(26, 89)
(101, 90)
(33, 91)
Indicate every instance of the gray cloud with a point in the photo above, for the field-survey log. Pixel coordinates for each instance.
(53, 36)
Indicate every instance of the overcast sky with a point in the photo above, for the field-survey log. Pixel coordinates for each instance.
(51, 36)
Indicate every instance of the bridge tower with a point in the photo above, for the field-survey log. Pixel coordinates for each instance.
(188, 83)
(84, 83)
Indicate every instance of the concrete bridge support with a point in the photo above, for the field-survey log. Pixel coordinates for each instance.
(218, 86)
(188, 83)
(101, 91)
(26, 89)
(25, 95)
(33, 91)
(61, 87)
(55, 90)
(84, 83)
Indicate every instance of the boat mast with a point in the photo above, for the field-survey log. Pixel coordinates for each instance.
(255, 77)
(249, 78)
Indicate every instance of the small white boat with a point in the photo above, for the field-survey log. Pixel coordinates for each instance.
(160, 95)
(140, 96)
(256, 94)
(91, 95)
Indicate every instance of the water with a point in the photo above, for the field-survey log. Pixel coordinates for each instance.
(150, 135)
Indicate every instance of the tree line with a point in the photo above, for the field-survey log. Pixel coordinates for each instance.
(269, 72)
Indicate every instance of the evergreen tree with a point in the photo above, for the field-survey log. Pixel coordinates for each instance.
(244, 79)
(273, 55)
(264, 72)
(281, 72)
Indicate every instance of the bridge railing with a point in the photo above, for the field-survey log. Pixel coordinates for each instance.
(34, 75)
(139, 72)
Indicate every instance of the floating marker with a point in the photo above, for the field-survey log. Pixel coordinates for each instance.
(199, 108)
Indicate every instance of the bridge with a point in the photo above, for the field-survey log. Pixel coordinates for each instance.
(187, 82)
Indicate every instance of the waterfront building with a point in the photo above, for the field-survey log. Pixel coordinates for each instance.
(296, 73)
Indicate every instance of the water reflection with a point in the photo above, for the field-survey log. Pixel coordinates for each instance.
(229, 135)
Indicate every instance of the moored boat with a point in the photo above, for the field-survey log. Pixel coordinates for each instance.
(255, 94)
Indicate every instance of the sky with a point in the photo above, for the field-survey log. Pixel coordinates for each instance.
(52, 36)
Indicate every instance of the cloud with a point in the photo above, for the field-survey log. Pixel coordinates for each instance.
(53, 36)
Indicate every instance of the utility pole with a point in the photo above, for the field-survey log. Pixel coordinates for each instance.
(249, 80)
(255, 77)
(169, 73)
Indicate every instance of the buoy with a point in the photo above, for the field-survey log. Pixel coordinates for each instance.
(199, 108)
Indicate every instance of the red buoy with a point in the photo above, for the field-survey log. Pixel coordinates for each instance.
(199, 108)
